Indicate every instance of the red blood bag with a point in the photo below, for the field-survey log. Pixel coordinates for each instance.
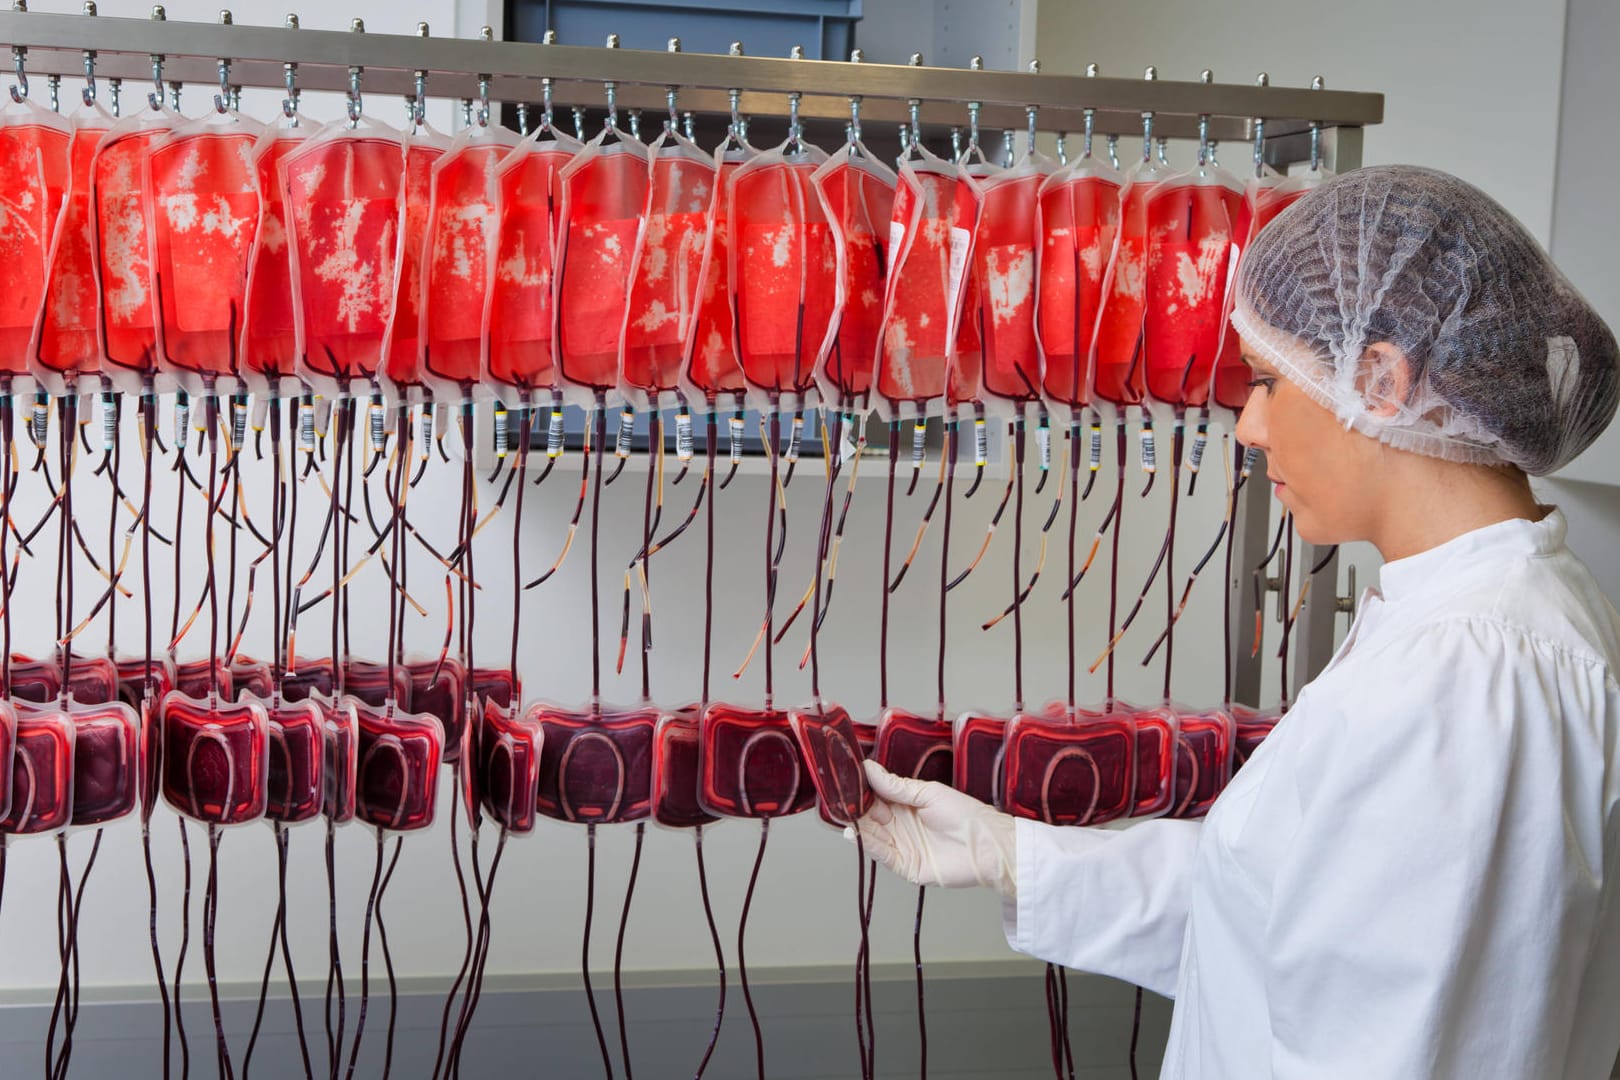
(1264, 197)
(64, 339)
(1155, 757)
(121, 233)
(267, 356)
(34, 176)
(132, 682)
(253, 678)
(440, 690)
(397, 773)
(309, 678)
(108, 762)
(1191, 220)
(676, 768)
(499, 685)
(978, 742)
(39, 681)
(1204, 752)
(784, 269)
(908, 744)
(1067, 771)
(8, 745)
(964, 381)
(204, 208)
(1078, 218)
(1005, 248)
(518, 316)
(509, 767)
(41, 774)
(459, 249)
(376, 685)
(1116, 352)
(665, 270)
(402, 346)
(216, 759)
(831, 747)
(752, 764)
(199, 678)
(340, 742)
(1250, 729)
(596, 766)
(342, 192)
(297, 760)
(712, 367)
(92, 680)
(857, 197)
(604, 195)
(930, 242)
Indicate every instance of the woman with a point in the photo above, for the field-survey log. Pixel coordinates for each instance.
(1415, 875)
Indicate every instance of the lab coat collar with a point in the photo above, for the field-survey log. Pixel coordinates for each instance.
(1493, 545)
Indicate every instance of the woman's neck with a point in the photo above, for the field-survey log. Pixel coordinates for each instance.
(1439, 501)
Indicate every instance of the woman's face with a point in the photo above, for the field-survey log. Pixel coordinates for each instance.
(1323, 473)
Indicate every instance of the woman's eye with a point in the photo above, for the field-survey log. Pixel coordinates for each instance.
(1269, 383)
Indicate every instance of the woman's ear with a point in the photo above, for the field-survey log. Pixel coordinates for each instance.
(1385, 379)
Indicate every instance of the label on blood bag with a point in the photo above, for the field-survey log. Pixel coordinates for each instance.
(627, 430)
(554, 434)
(182, 421)
(1150, 458)
(1200, 440)
(501, 422)
(981, 443)
(1043, 441)
(1250, 456)
(1096, 446)
(795, 438)
(919, 442)
(238, 423)
(683, 436)
(306, 427)
(109, 421)
(427, 431)
(379, 440)
(735, 427)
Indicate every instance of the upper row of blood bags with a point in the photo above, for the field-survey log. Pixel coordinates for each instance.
(221, 255)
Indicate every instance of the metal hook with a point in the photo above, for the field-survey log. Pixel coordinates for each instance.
(686, 121)
(419, 100)
(1032, 110)
(355, 103)
(975, 64)
(612, 90)
(856, 56)
(88, 94)
(1090, 114)
(20, 91)
(155, 100)
(1150, 75)
(549, 38)
(915, 105)
(1260, 132)
(222, 100)
(1206, 77)
(672, 125)
(485, 33)
(1113, 151)
(289, 75)
(1317, 83)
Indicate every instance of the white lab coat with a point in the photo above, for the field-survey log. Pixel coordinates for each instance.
(1415, 875)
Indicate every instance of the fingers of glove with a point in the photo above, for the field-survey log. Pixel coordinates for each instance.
(881, 846)
(898, 789)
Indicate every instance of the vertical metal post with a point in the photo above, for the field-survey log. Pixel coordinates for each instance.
(1251, 533)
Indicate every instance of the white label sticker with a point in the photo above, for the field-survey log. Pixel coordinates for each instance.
(981, 443)
(795, 439)
(1043, 440)
(109, 421)
(1096, 447)
(1150, 458)
(683, 436)
(1250, 456)
(306, 428)
(1196, 459)
(501, 431)
(627, 430)
(735, 426)
(427, 431)
(919, 442)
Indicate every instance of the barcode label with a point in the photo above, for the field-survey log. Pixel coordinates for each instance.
(182, 420)
(683, 435)
(981, 443)
(427, 432)
(109, 421)
(1043, 440)
(502, 429)
(961, 240)
(735, 429)
(554, 433)
(1096, 446)
(627, 431)
(306, 427)
(1196, 459)
(919, 442)
(1250, 456)
(379, 441)
(238, 423)
(1150, 457)
(795, 438)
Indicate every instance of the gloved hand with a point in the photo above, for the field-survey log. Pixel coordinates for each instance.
(932, 834)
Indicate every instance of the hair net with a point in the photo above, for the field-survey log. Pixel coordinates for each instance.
(1508, 363)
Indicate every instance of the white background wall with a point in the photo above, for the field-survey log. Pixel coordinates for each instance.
(1488, 111)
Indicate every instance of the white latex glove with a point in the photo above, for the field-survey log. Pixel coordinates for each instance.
(932, 834)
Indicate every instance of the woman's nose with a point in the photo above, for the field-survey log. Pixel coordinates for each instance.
(1251, 427)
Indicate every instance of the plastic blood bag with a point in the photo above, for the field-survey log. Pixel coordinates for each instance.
(1070, 771)
(108, 762)
(397, 772)
(518, 315)
(267, 354)
(41, 774)
(857, 197)
(1077, 220)
(1190, 242)
(676, 768)
(496, 684)
(509, 767)
(1155, 758)
(916, 746)
(297, 762)
(132, 679)
(33, 680)
(667, 264)
(402, 347)
(8, 746)
(1250, 729)
(1117, 374)
(783, 268)
(204, 193)
(752, 765)
(831, 747)
(604, 194)
(64, 336)
(375, 685)
(596, 765)
(216, 758)
(92, 680)
(252, 677)
(197, 678)
(340, 765)
(122, 232)
(457, 252)
(1204, 755)
(309, 678)
(342, 191)
(441, 691)
(712, 367)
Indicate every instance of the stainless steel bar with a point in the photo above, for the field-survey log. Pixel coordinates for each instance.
(1251, 535)
(56, 44)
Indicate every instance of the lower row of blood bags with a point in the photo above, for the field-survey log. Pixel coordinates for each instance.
(300, 274)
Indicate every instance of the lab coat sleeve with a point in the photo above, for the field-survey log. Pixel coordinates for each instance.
(1112, 902)
(1431, 916)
